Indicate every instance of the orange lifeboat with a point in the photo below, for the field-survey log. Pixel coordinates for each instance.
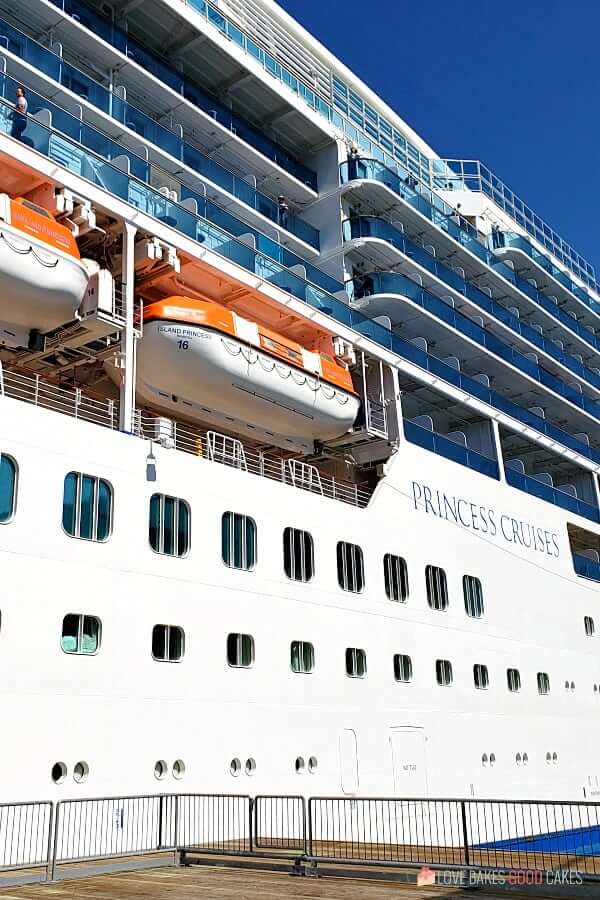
(42, 278)
(206, 362)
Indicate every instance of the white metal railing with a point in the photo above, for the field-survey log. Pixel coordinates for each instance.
(219, 448)
(231, 452)
(69, 401)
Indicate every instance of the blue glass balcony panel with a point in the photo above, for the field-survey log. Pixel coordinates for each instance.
(151, 131)
(587, 568)
(552, 495)
(446, 218)
(443, 446)
(122, 42)
(73, 156)
(370, 226)
(518, 242)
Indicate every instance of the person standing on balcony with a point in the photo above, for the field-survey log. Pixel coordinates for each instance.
(19, 117)
(283, 211)
(353, 157)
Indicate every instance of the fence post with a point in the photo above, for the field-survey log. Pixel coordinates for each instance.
(49, 847)
(463, 814)
(55, 847)
(252, 813)
(176, 823)
(310, 827)
(161, 809)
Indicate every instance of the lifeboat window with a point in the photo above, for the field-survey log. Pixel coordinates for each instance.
(298, 554)
(513, 678)
(590, 628)
(543, 680)
(169, 528)
(238, 535)
(443, 672)
(281, 350)
(437, 587)
(168, 643)
(396, 577)
(350, 566)
(473, 594)
(36, 209)
(481, 677)
(8, 487)
(240, 650)
(302, 657)
(356, 662)
(81, 634)
(403, 669)
(87, 507)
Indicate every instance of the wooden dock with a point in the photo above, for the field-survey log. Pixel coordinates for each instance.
(215, 883)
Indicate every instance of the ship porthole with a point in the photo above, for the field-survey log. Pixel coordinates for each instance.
(250, 766)
(313, 765)
(178, 768)
(299, 765)
(235, 767)
(59, 772)
(160, 769)
(81, 772)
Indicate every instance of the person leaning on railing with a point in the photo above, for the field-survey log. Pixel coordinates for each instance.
(19, 116)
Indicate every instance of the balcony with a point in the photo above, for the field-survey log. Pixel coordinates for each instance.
(587, 568)
(543, 491)
(476, 177)
(515, 246)
(378, 229)
(393, 284)
(450, 223)
(124, 45)
(450, 449)
(69, 154)
(147, 129)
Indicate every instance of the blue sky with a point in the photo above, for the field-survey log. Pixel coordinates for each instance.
(513, 83)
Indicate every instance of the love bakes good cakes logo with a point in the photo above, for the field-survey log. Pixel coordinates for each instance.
(426, 877)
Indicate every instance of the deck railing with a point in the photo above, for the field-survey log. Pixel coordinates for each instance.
(210, 445)
(463, 838)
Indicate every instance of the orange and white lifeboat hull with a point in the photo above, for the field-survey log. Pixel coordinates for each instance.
(42, 278)
(197, 358)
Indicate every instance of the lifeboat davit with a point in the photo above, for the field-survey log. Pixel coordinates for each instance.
(198, 358)
(42, 278)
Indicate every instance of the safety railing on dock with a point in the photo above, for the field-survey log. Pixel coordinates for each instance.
(39, 841)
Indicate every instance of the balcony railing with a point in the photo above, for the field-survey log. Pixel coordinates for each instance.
(444, 446)
(551, 494)
(472, 174)
(394, 283)
(149, 130)
(370, 226)
(587, 568)
(122, 42)
(518, 242)
(73, 157)
(87, 136)
(448, 220)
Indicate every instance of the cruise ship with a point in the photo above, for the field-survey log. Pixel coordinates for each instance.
(299, 430)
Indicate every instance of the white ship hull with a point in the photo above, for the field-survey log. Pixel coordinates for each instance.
(120, 711)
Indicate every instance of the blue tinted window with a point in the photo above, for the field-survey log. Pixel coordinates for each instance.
(87, 507)
(169, 526)
(8, 485)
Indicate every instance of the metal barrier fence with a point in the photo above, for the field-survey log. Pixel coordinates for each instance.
(25, 840)
(41, 842)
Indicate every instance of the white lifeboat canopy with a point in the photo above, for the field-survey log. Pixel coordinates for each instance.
(42, 278)
(202, 361)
